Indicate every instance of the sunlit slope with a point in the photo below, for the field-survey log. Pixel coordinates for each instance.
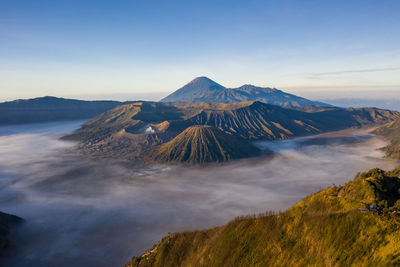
(130, 117)
(107, 123)
(260, 121)
(202, 144)
(251, 120)
(130, 131)
(328, 228)
(391, 132)
(263, 121)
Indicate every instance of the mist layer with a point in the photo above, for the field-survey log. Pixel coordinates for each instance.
(100, 213)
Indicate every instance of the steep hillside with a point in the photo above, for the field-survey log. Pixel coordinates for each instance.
(202, 89)
(48, 108)
(339, 226)
(202, 144)
(133, 118)
(259, 121)
(129, 131)
(391, 132)
(7, 223)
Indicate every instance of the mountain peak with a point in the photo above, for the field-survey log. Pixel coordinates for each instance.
(204, 82)
(196, 89)
(201, 78)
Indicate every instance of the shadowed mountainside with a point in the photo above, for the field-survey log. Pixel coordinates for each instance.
(391, 132)
(203, 89)
(7, 223)
(354, 224)
(130, 131)
(202, 144)
(44, 109)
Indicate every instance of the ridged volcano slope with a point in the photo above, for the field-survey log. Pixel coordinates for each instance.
(202, 144)
(128, 131)
(257, 120)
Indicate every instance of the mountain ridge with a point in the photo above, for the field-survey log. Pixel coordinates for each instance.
(391, 132)
(50, 108)
(131, 131)
(203, 89)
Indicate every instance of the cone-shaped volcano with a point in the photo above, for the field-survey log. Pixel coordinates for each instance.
(202, 144)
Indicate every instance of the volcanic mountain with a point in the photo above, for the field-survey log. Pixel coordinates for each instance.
(391, 132)
(131, 131)
(198, 89)
(202, 89)
(356, 224)
(202, 144)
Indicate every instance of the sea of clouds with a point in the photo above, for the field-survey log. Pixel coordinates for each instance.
(81, 212)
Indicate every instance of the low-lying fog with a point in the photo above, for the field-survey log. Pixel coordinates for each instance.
(96, 213)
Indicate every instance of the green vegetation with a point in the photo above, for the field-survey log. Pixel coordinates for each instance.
(202, 144)
(330, 228)
(391, 132)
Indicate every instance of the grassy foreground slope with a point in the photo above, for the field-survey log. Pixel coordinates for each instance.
(330, 228)
(202, 144)
(391, 132)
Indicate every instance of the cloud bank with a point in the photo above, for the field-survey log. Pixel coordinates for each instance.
(100, 213)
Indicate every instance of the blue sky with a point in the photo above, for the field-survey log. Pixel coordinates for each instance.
(112, 49)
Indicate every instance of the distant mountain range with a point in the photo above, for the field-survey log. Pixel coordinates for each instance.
(132, 131)
(44, 109)
(356, 224)
(203, 89)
